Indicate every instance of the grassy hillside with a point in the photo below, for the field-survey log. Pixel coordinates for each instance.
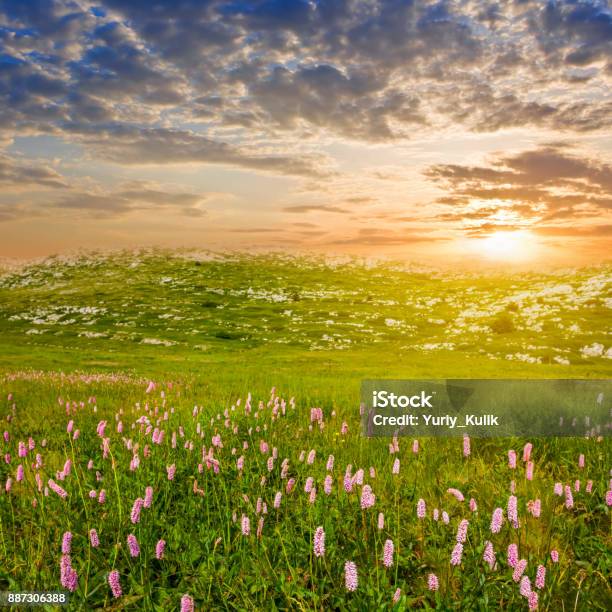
(231, 479)
(184, 311)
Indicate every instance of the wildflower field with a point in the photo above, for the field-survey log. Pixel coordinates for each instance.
(182, 431)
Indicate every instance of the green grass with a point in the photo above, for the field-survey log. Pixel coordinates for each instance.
(226, 330)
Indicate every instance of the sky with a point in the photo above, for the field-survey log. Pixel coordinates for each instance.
(451, 133)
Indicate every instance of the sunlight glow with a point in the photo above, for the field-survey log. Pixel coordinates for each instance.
(507, 246)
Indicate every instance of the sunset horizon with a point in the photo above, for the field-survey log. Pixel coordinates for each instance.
(391, 129)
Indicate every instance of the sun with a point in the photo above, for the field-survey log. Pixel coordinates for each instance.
(507, 246)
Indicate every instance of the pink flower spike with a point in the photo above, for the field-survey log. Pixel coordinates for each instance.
(421, 509)
(245, 525)
(457, 554)
(187, 604)
(66, 543)
(512, 555)
(432, 582)
(133, 545)
(388, 553)
(93, 538)
(489, 554)
(533, 600)
(350, 576)
(525, 588)
(466, 446)
(497, 520)
(554, 555)
(462, 531)
(458, 495)
(519, 570)
(113, 581)
(540, 577)
(319, 542)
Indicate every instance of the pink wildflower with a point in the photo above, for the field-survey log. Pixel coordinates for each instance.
(540, 577)
(319, 542)
(533, 600)
(396, 467)
(569, 498)
(245, 525)
(367, 497)
(512, 555)
(457, 554)
(133, 545)
(513, 511)
(432, 582)
(458, 495)
(115, 585)
(160, 548)
(462, 531)
(66, 543)
(57, 489)
(554, 555)
(525, 588)
(388, 553)
(519, 569)
(93, 538)
(489, 554)
(187, 604)
(136, 508)
(497, 520)
(466, 446)
(350, 576)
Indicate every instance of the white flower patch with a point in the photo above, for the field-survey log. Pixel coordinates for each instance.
(157, 341)
(436, 346)
(393, 323)
(593, 350)
(523, 357)
(561, 360)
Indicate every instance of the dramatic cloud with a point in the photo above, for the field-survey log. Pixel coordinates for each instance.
(358, 69)
(341, 101)
(131, 197)
(549, 183)
(24, 176)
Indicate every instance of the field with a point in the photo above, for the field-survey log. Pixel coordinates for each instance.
(228, 355)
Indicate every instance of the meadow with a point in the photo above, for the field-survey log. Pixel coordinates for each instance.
(181, 430)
